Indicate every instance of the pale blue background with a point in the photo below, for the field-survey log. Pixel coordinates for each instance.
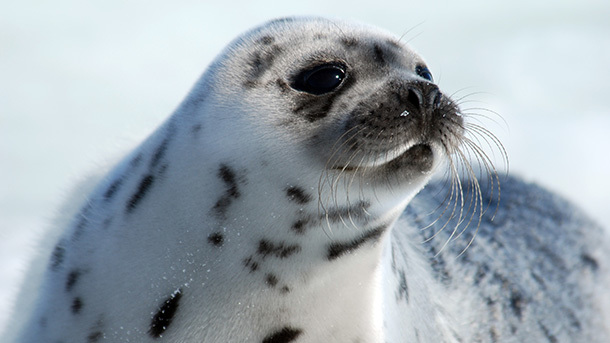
(81, 80)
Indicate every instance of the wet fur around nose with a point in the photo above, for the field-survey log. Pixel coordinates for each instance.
(404, 112)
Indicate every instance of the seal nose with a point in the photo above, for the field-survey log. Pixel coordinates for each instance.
(423, 95)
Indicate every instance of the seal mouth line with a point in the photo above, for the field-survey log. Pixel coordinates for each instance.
(409, 147)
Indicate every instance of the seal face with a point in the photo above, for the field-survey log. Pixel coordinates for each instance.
(261, 210)
(361, 101)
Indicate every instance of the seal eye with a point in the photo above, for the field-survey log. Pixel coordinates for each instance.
(422, 71)
(320, 80)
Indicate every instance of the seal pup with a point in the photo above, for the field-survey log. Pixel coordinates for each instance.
(266, 209)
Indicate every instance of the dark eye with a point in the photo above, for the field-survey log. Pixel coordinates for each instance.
(320, 79)
(423, 72)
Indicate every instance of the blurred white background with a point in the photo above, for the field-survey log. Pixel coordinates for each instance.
(82, 80)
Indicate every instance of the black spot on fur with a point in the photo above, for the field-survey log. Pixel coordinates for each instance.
(285, 335)
(267, 40)
(403, 289)
(113, 189)
(196, 128)
(538, 279)
(299, 226)
(438, 264)
(159, 153)
(279, 250)
(336, 250)
(493, 334)
(57, 257)
(311, 108)
(285, 290)
(456, 336)
(550, 337)
(393, 257)
(589, 261)
(96, 333)
(320, 36)
(232, 192)
(482, 271)
(271, 280)
(251, 264)
(349, 42)
(216, 239)
(228, 177)
(143, 188)
(261, 61)
(379, 54)
(136, 161)
(221, 206)
(77, 305)
(517, 303)
(95, 336)
(163, 318)
(298, 195)
(572, 318)
(72, 279)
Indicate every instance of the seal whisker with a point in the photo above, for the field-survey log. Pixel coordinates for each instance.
(460, 198)
(477, 197)
(489, 136)
(473, 193)
(456, 197)
(348, 187)
(408, 31)
(454, 94)
(336, 177)
(493, 178)
(330, 165)
(467, 112)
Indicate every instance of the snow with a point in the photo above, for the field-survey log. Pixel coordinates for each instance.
(80, 81)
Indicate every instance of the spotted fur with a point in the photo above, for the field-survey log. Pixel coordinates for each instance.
(261, 212)
(285, 335)
(336, 250)
(141, 191)
(165, 315)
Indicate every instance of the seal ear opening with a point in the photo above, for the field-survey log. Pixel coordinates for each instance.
(321, 79)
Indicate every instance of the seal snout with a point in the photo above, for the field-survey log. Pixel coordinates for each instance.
(423, 95)
(436, 118)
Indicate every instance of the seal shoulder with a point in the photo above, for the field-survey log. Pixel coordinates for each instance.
(534, 262)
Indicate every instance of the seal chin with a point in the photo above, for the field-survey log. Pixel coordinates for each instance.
(419, 157)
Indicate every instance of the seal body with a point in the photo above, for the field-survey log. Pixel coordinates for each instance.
(266, 209)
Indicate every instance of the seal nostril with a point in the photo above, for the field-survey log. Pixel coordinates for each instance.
(414, 98)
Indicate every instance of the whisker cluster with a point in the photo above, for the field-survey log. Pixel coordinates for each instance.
(468, 161)
(465, 144)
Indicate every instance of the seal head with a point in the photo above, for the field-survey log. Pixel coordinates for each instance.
(351, 100)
